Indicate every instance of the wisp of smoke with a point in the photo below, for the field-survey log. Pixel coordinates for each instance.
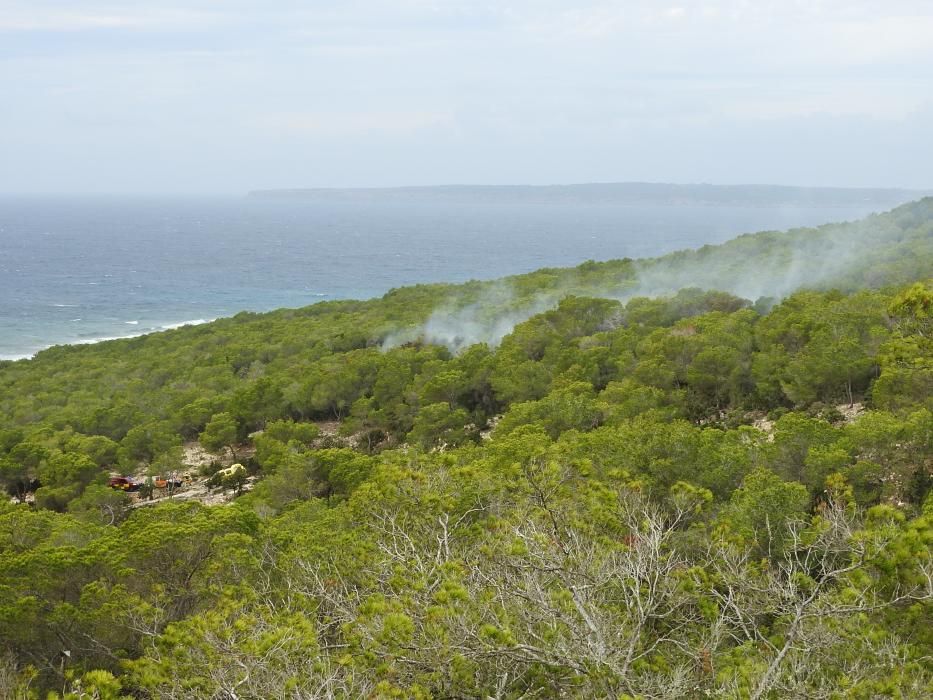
(769, 264)
(486, 320)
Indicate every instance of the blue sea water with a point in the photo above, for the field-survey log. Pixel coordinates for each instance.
(83, 270)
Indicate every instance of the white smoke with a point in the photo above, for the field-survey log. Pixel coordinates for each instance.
(488, 319)
(768, 264)
(753, 266)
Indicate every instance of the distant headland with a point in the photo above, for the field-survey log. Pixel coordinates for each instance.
(615, 193)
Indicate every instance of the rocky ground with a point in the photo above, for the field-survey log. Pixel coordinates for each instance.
(196, 489)
(849, 413)
(196, 458)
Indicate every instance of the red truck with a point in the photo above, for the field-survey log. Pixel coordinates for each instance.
(123, 483)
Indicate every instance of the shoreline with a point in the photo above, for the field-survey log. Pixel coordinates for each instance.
(285, 279)
(105, 339)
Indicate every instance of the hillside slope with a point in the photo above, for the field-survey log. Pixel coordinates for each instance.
(689, 495)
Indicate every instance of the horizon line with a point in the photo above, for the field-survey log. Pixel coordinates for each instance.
(462, 185)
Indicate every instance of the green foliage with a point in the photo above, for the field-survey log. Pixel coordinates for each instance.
(220, 432)
(762, 509)
(288, 430)
(595, 507)
(438, 424)
(100, 504)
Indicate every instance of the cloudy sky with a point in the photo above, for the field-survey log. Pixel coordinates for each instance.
(231, 95)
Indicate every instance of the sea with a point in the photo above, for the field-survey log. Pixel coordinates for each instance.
(82, 270)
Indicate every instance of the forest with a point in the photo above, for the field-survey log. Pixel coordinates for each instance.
(702, 475)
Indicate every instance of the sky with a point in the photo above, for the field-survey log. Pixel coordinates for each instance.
(226, 96)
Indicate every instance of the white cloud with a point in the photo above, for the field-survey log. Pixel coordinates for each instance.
(65, 22)
(62, 17)
(534, 90)
(329, 123)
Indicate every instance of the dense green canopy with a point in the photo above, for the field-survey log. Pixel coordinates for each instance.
(684, 495)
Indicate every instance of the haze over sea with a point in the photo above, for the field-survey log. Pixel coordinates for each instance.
(82, 270)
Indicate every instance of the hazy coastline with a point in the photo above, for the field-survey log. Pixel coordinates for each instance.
(103, 339)
(83, 272)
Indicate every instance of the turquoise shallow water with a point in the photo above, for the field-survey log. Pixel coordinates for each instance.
(81, 270)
